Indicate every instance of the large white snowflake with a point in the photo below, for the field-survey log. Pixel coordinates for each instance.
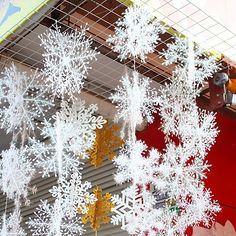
(74, 194)
(135, 211)
(136, 34)
(135, 100)
(200, 65)
(51, 220)
(137, 164)
(23, 99)
(66, 59)
(16, 171)
(71, 136)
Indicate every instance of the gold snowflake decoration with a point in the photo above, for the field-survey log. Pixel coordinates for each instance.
(98, 212)
(106, 143)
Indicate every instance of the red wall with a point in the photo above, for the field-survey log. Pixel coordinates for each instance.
(222, 176)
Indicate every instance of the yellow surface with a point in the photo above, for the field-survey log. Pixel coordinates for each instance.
(21, 11)
(98, 212)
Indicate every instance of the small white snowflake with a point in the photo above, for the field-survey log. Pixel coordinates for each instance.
(135, 100)
(10, 226)
(54, 157)
(135, 211)
(178, 172)
(74, 194)
(23, 99)
(137, 34)
(16, 171)
(182, 52)
(51, 220)
(198, 131)
(82, 122)
(66, 59)
(136, 164)
(199, 209)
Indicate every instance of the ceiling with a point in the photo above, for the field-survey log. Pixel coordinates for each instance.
(100, 16)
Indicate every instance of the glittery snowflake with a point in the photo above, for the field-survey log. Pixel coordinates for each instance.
(74, 194)
(135, 211)
(136, 164)
(135, 100)
(23, 99)
(51, 220)
(200, 65)
(66, 59)
(16, 171)
(106, 144)
(136, 34)
(98, 212)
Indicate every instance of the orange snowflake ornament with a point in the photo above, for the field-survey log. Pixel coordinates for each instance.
(98, 212)
(107, 141)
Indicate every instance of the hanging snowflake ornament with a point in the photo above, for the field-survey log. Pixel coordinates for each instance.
(106, 144)
(198, 131)
(54, 157)
(183, 53)
(136, 34)
(74, 194)
(98, 212)
(82, 122)
(23, 99)
(175, 99)
(136, 164)
(16, 172)
(199, 209)
(70, 138)
(66, 60)
(135, 211)
(135, 101)
(51, 220)
(11, 225)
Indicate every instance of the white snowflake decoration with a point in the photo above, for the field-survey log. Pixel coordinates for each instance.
(66, 59)
(198, 131)
(23, 99)
(136, 34)
(11, 225)
(182, 52)
(71, 136)
(135, 100)
(51, 220)
(135, 165)
(74, 194)
(54, 157)
(135, 211)
(83, 123)
(16, 172)
(177, 173)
